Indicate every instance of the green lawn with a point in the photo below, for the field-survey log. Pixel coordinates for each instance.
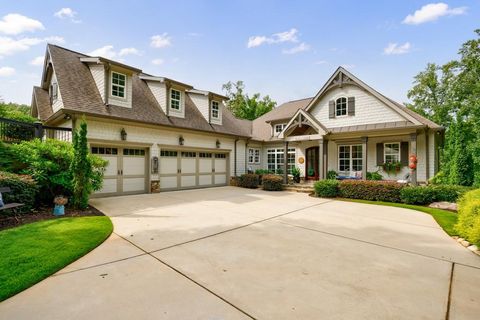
(34, 251)
(444, 218)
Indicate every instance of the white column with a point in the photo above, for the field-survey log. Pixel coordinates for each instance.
(413, 151)
(364, 157)
(320, 160)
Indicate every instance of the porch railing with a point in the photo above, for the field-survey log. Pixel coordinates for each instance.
(17, 131)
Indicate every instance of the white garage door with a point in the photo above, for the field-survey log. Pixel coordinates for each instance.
(192, 169)
(125, 172)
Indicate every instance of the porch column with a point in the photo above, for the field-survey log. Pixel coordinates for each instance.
(325, 158)
(413, 150)
(364, 157)
(285, 163)
(320, 159)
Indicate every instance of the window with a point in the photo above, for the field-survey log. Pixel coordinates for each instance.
(275, 160)
(215, 110)
(168, 153)
(175, 98)
(391, 152)
(103, 150)
(118, 84)
(54, 91)
(341, 107)
(220, 155)
(350, 158)
(205, 155)
(279, 128)
(188, 154)
(134, 152)
(253, 156)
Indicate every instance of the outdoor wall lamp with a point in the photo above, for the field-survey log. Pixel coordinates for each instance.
(217, 143)
(181, 140)
(123, 134)
(67, 116)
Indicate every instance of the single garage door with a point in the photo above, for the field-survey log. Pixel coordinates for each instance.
(183, 169)
(125, 172)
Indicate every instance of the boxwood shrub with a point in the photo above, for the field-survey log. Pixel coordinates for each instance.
(249, 180)
(433, 193)
(370, 190)
(326, 188)
(272, 182)
(23, 190)
(468, 225)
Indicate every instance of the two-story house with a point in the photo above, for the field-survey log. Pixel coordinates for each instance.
(159, 134)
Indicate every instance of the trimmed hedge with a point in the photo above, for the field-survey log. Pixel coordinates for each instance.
(370, 190)
(326, 188)
(24, 190)
(468, 225)
(249, 180)
(272, 182)
(428, 194)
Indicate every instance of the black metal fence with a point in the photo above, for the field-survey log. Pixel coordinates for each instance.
(17, 131)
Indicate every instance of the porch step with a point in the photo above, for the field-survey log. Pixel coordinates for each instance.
(298, 188)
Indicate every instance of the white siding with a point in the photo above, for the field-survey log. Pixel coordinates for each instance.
(368, 109)
(372, 157)
(159, 91)
(98, 73)
(201, 101)
(57, 103)
(241, 169)
(431, 154)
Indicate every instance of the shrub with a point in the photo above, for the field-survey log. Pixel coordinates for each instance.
(24, 189)
(439, 178)
(249, 180)
(468, 225)
(326, 188)
(376, 176)
(272, 182)
(81, 168)
(433, 193)
(332, 175)
(370, 190)
(262, 171)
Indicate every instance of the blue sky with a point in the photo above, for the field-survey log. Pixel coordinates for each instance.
(284, 49)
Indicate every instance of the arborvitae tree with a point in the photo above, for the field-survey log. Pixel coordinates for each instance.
(81, 168)
(462, 165)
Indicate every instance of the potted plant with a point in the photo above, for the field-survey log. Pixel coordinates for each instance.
(392, 167)
(60, 202)
(296, 174)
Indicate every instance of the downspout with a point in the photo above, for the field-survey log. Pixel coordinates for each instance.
(235, 157)
(246, 155)
(167, 107)
(107, 82)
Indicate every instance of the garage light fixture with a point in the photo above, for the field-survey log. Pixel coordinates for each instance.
(217, 143)
(123, 134)
(181, 140)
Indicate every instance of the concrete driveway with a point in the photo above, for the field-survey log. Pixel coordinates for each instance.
(232, 253)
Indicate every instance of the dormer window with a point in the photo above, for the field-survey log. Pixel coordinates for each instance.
(53, 92)
(341, 107)
(175, 99)
(215, 110)
(119, 81)
(279, 128)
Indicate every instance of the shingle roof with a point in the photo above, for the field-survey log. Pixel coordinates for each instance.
(42, 100)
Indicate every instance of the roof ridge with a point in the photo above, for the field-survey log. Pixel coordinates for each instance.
(66, 49)
(297, 100)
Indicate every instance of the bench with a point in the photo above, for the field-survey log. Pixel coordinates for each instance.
(11, 206)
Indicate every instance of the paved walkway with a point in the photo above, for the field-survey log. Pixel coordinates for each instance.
(231, 253)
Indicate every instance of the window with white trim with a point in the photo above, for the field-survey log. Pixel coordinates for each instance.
(275, 160)
(253, 156)
(215, 110)
(350, 158)
(119, 81)
(279, 128)
(391, 152)
(53, 91)
(175, 99)
(341, 107)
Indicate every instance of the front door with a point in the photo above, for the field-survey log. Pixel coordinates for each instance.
(311, 172)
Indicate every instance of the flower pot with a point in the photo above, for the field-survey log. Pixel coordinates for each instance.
(296, 179)
(59, 210)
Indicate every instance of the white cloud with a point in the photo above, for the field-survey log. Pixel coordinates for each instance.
(161, 40)
(287, 36)
(433, 11)
(395, 48)
(158, 62)
(105, 51)
(129, 51)
(38, 61)
(6, 71)
(9, 46)
(300, 48)
(67, 13)
(15, 23)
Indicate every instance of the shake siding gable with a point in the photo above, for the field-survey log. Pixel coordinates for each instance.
(368, 109)
(98, 74)
(159, 91)
(57, 103)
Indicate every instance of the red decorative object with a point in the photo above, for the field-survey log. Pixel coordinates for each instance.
(413, 162)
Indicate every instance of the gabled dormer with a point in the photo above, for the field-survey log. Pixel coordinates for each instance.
(113, 80)
(210, 105)
(170, 94)
(50, 84)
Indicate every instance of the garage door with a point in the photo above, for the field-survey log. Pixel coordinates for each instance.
(125, 172)
(183, 169)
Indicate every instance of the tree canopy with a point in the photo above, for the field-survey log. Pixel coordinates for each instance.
(16, 111)
(244, 107)
(449, 95)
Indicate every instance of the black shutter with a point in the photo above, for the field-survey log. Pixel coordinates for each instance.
(351, 106)
(379, 154)
(404, 153)
(331, 109)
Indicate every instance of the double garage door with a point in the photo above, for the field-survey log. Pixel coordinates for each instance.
(181, 169)
(126, 172)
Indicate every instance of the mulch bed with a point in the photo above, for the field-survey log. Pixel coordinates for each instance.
(10, 220)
